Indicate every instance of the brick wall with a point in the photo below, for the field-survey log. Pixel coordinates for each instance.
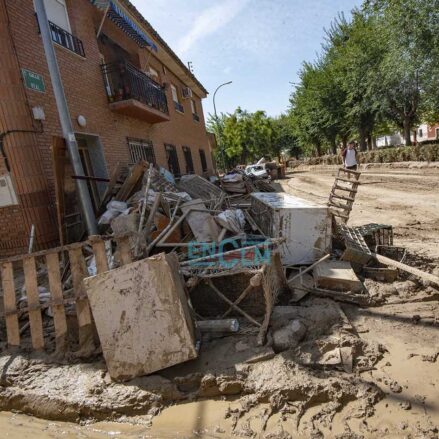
(30, 154)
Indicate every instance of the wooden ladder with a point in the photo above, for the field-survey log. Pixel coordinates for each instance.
(342, 196)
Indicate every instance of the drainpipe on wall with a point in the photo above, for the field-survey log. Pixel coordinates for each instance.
(64, 117)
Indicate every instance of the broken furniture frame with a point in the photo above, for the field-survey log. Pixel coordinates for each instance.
(270, 276)
(78, 268)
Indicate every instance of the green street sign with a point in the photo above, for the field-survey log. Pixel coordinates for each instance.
(34, 81)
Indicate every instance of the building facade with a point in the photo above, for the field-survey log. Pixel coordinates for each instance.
(129, 97)
(423, 133)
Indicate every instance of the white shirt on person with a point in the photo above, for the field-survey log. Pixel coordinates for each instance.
(350, 159)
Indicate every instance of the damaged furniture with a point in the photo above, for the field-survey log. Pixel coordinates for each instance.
(150, 326)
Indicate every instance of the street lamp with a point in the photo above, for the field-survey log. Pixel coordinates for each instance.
(218, 126)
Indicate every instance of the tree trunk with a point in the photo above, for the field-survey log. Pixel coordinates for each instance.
(318, 150)
(374, 142)
(334, 147)
(344, 140)
(369, 142)
(363, 145)
(407, 127)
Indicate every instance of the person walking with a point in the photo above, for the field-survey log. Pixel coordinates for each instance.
(350, 157)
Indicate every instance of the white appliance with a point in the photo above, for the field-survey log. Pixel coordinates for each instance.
(305, 225)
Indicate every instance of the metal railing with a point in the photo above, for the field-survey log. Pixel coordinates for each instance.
(124, 81)
(66, 39)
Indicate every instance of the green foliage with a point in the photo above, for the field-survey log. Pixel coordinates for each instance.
(423, 153)
(284, 140)
(245, 136)
(378, 72)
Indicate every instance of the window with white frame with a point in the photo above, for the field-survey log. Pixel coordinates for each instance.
(154, 74)
(174, 93)
(56, 11)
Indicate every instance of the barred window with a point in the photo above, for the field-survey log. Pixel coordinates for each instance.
(203, 160)
(141, 150)
(172, 158)
(188, 158)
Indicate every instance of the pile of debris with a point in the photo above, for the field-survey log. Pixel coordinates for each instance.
(245, 286)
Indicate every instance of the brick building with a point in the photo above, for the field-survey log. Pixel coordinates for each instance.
(128, 94)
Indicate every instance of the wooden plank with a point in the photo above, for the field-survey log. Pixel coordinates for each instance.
(9, 301)
(33, 300)
(342, 188)
(152, 213)
(345, 207)
(56, 249)
(110, 186)
(79, 272)
(59, 314)
(131, 181)
(351, 181)
(241, 297)
(341, 197)
(100, 254)
(123, 245)
(45, 252)
(412, 270)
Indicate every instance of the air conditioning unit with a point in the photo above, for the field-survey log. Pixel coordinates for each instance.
(8, 197)
(186, 92)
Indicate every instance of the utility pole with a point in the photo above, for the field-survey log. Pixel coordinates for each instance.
(219, 128)
(64, 117)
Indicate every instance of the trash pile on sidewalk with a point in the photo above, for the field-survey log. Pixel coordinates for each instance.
(238, 246)
(221, 257)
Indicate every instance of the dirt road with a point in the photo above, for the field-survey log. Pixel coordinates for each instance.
(406, 199)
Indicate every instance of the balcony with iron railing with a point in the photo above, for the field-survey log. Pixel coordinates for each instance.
(133, 93)
(66, 39)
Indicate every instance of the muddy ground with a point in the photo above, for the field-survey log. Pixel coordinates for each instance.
(352, 371)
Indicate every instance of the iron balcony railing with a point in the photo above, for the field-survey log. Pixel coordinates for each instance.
(124, 81)
(67, 40)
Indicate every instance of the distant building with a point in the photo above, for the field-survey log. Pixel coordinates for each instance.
(130, 97)
(389, 140)
(424, 133)
(427, 132)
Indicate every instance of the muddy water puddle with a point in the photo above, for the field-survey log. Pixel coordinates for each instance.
(198, 419)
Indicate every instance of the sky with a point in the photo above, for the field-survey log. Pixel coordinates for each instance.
(259, 45)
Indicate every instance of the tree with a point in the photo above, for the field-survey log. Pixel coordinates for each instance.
(409, 72)
(356, 53)
(245, 136)
(284, 140)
